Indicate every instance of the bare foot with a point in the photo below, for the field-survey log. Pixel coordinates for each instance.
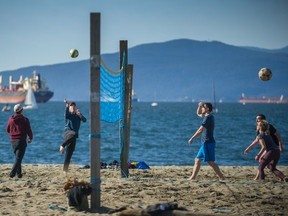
(62, 149)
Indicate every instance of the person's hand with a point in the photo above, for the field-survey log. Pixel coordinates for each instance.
(281, 148)
(200, 104)
(190, 141)
(62, 149)
(66, 102)
(78, 113)
(29, 140)
(246, 151)
(257, 157)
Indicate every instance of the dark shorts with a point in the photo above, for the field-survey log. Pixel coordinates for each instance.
(69, 134)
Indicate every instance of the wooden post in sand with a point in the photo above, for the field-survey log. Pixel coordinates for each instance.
(125, 131)
(95, 109)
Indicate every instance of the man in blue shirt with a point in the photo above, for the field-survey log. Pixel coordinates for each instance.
(73, 118)
(207, 149)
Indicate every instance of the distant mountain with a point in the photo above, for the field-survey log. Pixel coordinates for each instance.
(177, 70)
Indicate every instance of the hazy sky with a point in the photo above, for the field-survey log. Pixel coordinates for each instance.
(41, 32)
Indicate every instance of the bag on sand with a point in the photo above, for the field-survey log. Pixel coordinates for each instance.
(77, 198)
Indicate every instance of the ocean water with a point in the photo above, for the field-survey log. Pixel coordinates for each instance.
(159, 135)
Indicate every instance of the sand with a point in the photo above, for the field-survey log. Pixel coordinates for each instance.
(40, 191)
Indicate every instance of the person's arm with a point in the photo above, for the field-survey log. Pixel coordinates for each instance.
(83, 119)
(196, 134)
(279, 140)
(199, 109)
(246, 151)
(66, 113)
(8, 126)
(262, 150)
(29, 131)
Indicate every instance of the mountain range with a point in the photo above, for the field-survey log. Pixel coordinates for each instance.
(177, 70)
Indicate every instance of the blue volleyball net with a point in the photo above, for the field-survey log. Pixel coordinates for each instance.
(111, 94)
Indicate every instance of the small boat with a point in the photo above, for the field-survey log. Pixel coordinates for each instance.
(154, 104)
(6, 108)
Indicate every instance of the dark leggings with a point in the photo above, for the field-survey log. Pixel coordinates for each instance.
(270, 159)
(19, 148)
(69, 143)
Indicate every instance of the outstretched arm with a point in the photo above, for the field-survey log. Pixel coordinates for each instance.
(196, 134)
(251, 145)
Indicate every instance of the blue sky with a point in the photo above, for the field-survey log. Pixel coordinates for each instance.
(41, 32)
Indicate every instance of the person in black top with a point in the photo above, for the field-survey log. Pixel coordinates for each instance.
(273, 132)
(73, 119)
(269, 153)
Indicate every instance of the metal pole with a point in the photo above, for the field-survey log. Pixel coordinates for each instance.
(95, 109)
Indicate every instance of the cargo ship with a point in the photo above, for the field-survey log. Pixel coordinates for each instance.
(273, 100)
(17, 90)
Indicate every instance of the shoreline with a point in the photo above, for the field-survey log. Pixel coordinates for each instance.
(40, 191)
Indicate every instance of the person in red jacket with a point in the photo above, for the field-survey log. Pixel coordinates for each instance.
(18, 128)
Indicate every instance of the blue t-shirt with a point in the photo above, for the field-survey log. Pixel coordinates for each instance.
(208, 124)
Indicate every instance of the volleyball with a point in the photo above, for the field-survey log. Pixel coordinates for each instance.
(74, 53)
(265, 74)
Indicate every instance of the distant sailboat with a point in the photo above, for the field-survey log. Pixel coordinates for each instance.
(134, 96)
(214, 98)
(30, 101)
(154, 103)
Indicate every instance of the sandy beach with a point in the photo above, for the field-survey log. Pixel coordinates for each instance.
(40, 191)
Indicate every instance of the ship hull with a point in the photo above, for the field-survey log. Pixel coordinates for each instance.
(13, 97)
(43, 96)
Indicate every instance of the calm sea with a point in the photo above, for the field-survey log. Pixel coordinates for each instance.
(159, 134)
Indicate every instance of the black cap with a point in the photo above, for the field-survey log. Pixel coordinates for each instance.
(72, 104)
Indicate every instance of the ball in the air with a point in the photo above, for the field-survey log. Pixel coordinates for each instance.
(265, 74)
(74, 53)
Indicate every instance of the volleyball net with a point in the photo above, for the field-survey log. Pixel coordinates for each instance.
(111, 94)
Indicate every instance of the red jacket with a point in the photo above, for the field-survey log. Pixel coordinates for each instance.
(19, 127)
